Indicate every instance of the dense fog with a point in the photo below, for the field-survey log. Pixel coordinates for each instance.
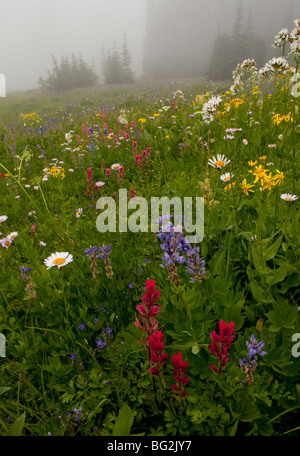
(164, 38)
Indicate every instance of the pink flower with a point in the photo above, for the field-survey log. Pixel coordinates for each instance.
(138, 160)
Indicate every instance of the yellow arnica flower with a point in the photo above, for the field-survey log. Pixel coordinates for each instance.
(268, 182)
(278, 178)
(247, 187)
(142, 120)
(259, 174)
(277, 119)
(251, 163)
(237, 102)
(263, 157)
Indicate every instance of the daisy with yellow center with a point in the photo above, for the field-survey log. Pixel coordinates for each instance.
(247, 187)
(220, 162)
(12, 235)
(79, 212)
(58, 259)
(115, 166)
(226, 177)
(5, 242)
(99, 184)
(3, 218)
(288, 197)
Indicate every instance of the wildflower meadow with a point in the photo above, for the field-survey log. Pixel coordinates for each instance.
(113, 322)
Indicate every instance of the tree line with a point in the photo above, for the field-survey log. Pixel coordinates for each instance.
(73, 72)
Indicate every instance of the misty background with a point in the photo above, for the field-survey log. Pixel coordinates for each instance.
(164, 38)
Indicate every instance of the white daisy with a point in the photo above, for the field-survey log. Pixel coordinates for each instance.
(288, 197)
(58, 259)
(115, 166)
(99, 184)
(42, 244)
(5, 242)
(13, 235)
(3, 218)
(245, 142)
(36, 187)
(27, 186)
(79, 212)
(226, 177)
(220, 162)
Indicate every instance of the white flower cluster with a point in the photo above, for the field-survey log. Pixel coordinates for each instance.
(178, 94)
(282, 38)
(210, 109)
(293, 38)
(275, 66)
(248, 65)
(295, 34)
(122, 117)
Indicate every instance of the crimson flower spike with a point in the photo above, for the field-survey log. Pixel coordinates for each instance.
(157, 357)
(148, 312)
(221, 343)
(179, 369)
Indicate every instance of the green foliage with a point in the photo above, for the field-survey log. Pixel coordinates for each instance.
(74, 360)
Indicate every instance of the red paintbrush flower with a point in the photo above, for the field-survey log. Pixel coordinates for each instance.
(157, 357)
(151, 295)
(148, 312)
(221, 343)
(179, 368)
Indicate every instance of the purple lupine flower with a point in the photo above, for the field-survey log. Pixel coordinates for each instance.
(195, 265)
(249, 363)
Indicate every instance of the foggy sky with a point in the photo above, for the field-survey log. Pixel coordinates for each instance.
(30, 30)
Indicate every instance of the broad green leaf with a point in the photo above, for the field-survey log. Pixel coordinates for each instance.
(124, 421)
(17, 427)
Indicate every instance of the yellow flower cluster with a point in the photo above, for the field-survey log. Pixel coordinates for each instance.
(277, 118)
(57, 172)
(236, 102)
(264, 178)
(32, 117)
(255, 90)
